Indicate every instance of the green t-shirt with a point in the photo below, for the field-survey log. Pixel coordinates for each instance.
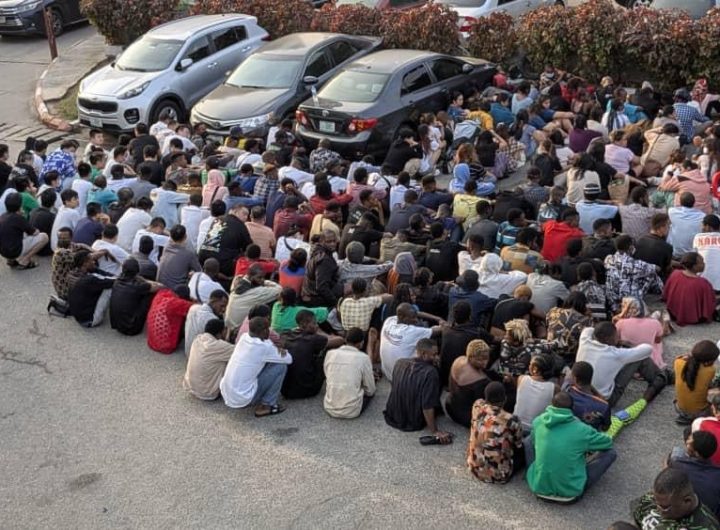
(283, 318)
(29, 203)
(647, 517)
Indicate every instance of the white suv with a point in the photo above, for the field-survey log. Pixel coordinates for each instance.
(169, 68)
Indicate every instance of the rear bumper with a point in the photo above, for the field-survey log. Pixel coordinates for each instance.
(351, 147)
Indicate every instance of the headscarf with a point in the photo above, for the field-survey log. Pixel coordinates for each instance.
(519, 330)
(631, 307)
(215, 181)
(405, 264)
(490, 267)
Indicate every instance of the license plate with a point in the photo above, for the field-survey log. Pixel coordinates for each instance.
(326, 126)
(2, 20)
(96, 122)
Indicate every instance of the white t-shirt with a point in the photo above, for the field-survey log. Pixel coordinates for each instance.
(190, 218)
(107, 265)
(187, 144)
(285, 246)
(398, 341)
(160, 240)
(4, 195)
(203, 229)
(607, 361)
(338, 184)
(248, 158)
(707, 245)
(397, 195)
(82, 187)
(132, 220)
(298, 175)
(41, 189)
(202, 292)
(240, 382)
(115, 185)
(65, 218)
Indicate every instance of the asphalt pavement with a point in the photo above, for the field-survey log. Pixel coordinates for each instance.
(97, 432)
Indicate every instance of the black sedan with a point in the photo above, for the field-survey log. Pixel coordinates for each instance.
(274, 80)
(363, 107)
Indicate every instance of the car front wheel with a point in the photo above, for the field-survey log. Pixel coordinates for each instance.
(172, 108)
(639, 3)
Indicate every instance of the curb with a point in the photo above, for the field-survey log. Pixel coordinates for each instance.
(49, 120)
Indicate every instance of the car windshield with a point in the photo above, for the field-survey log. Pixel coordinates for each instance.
(354, 87)
(265, 71)
(463, 3)
(149, 55)
(369, 3)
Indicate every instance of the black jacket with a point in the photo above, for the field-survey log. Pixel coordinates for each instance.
(321, 286)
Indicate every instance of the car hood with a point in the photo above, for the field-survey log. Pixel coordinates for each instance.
(109, 81)
(10, 3)
(229, 102)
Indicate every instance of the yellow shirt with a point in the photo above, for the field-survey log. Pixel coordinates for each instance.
(464, 205)
(485, 119)
(692, 401)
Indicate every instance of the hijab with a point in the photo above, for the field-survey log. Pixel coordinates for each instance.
(213, 190)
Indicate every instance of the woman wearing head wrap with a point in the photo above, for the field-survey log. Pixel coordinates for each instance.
(403, 270)
(469, 376)
(215, 189)
(494, 281)
(635, 327)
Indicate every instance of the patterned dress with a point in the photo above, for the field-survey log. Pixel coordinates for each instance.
(627, 276)
(495, 434)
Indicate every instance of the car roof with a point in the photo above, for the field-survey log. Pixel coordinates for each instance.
(387, 61)
(300, 43)
(185, 28)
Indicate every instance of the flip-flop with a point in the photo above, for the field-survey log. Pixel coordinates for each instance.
(30, 265)
(275, 409)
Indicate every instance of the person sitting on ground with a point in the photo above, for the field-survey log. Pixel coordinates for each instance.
(305, 376)
(19, 242)
(399, 336)
(390, 247)
(203, 284)
(256, 370)
(588, 405)
(707, 244)
(321, 287)
(711, 423)
(468, 379)
(166, 319)
(518, 306)
(535, 390)
(350, 384)
(246, 292)
(523, 255)
(559, 468)
(415, 393)
(67, 215)
(689, 297)
(252, 257)
(495, 447)
(42, 218)
(546, 286)
(89, 228)
(600, 244)
(653, 247)
(471, 259)
(493, 281)
(357, 265)
(442, 254)
(567, 322)
(292, 270)
(286, 310)
(130, 299)
(685, 223)
(594, 292)
(89, 296)
(615, 365)
(148, 269)
(558, 233)
(694, 459)
(518, 347)
(637, 216)
(202, 313)
(694, 375)
(636, 327)
(673, 503)
(207, 361)
(627, 276)
(112, 262)
(591, 208)
(466, 290)
(177, 261)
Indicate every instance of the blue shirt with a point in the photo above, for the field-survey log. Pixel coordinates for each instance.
(501, 114)
(104, 197)
(592, 211)
(87, 231)
(590, 409)
(479, 303)
(434, 199)
(686, 115)
(506, 235)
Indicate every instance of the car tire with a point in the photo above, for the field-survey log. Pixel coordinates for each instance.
(167, 104)
(559, 3)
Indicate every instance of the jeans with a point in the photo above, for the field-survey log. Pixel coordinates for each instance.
(596, 464)
(655, 377)
(270, 382)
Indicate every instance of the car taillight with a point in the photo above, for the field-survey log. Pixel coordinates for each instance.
(466, 24)
(266, 38)
(301, 118)
(357, 125)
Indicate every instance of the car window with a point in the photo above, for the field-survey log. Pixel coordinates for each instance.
(227, 37)
(354, 86)
(342, 50)
(415, 79)
(318, 64)
(402, 3)
(503, 2)
(198, 50)
(445, 68)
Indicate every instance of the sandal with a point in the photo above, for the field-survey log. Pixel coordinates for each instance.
(30, 265)
(12, 263)
(275, 409)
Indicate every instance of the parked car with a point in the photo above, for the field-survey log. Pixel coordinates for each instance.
(362, 108)
(695, 8)
(168, 69)
(275, 79)
(468, 11)
(26, 17)
(384, 4)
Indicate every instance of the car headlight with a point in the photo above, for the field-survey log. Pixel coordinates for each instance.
(135, 91)
(254, 121)
(31, 5)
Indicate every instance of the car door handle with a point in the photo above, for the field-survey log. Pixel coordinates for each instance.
(246, 48)
(212, 65)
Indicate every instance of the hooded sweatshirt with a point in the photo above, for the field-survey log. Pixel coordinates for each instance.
(561, 441)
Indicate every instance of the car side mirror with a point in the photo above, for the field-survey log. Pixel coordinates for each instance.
(310, 80)
(467, 68)
(184, 64)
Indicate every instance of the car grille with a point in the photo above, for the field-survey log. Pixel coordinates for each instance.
(101, 106)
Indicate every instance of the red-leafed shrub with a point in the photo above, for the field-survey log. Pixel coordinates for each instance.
(123, 21)
(432, 27)
(544, 35)
(707, 55)
(493, 38)
(278, 17)
(350, 19)
(595, 30)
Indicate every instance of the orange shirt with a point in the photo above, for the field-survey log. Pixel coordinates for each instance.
(692, 401)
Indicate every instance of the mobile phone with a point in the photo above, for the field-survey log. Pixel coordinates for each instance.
(622, 415)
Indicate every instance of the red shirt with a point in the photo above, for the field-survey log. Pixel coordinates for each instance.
(318, 204)
(557, 234)
(165, 321)
(715, 185)
(285, 218)
(243, 264)
(711, 425)
(689, 300)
